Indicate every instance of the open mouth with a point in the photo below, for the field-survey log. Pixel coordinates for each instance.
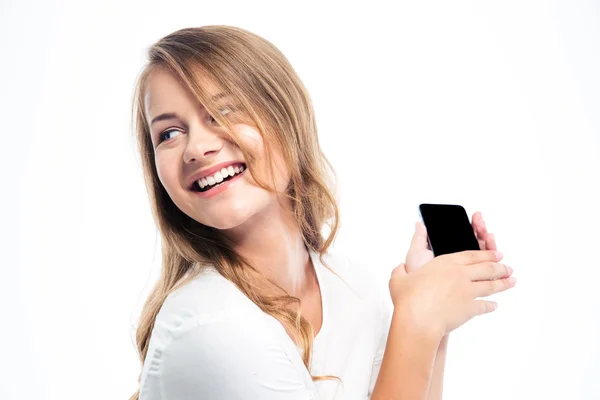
(196, 186)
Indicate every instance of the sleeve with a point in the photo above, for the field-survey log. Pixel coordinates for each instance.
(387, 308)
(232, 360)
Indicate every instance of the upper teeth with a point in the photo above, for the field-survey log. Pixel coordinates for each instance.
(220, 175)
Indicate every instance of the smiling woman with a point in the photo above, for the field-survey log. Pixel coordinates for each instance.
(250, 303)
(239, 185)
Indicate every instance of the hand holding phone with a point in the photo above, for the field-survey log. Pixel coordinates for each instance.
(439, 291)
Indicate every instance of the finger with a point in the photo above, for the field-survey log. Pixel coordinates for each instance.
(478, 225)
(483, 307)
(469, 257)
(491, 242)
(477, 230)
(487, 288)
(482, 244)
(419, 239)
(477, 216)
(484, 238)
(400, 270)
(488, 271)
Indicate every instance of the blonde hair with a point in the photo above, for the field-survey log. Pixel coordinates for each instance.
(269, 96)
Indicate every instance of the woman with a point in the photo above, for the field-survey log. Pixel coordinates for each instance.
(249, 300)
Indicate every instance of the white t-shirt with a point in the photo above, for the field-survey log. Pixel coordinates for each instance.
(211, 342)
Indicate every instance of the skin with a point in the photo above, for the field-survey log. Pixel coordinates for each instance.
(419, 254)
(260, 228)
(430, 302)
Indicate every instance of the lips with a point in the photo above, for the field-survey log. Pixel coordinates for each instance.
(216, 190)
(210, 171)
(196, 186)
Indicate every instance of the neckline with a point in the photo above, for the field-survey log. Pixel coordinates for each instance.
(320, 274)
(324, 299)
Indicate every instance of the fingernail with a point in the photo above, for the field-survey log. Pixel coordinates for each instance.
(510, 270)
(512, 280)
(498, 255)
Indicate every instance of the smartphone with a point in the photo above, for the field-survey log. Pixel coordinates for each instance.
(448, 228)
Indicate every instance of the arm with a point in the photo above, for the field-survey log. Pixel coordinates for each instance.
(232, 359)
(407, 364)
(437, 379)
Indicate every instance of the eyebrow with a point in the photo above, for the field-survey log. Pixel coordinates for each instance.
(170, 115)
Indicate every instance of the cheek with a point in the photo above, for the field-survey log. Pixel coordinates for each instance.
(252, 138)
(167, 173)
(282, 173)
(254, 141)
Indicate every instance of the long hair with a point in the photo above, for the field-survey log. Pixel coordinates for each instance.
(269, 96)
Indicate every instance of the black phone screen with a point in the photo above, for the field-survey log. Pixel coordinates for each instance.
(448, 228)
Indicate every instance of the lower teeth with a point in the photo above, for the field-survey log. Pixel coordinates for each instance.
(219, 184)
(212, 187)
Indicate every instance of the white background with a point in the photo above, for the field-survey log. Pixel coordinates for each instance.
(492, 105)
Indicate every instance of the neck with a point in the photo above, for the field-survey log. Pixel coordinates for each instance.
(272, 241)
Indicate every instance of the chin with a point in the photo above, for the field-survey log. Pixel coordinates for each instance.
(235, 212)
(226, 224)
(229, 220)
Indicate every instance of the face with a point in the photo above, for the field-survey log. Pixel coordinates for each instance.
(190, 142)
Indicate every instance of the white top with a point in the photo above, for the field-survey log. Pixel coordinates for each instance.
(211, 342)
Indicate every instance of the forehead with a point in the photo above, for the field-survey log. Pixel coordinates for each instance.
(165, 92)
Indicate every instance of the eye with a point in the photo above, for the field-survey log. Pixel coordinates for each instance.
(161, 136)
(231, 109)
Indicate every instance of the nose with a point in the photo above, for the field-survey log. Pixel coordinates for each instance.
(202, 143)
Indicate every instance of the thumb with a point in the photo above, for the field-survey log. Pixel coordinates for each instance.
(419, 239)
(400, 270)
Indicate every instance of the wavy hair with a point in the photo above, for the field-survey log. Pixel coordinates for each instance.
(268, 95)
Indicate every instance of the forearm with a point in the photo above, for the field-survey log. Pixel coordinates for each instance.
(437, 377)
(407, 365)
